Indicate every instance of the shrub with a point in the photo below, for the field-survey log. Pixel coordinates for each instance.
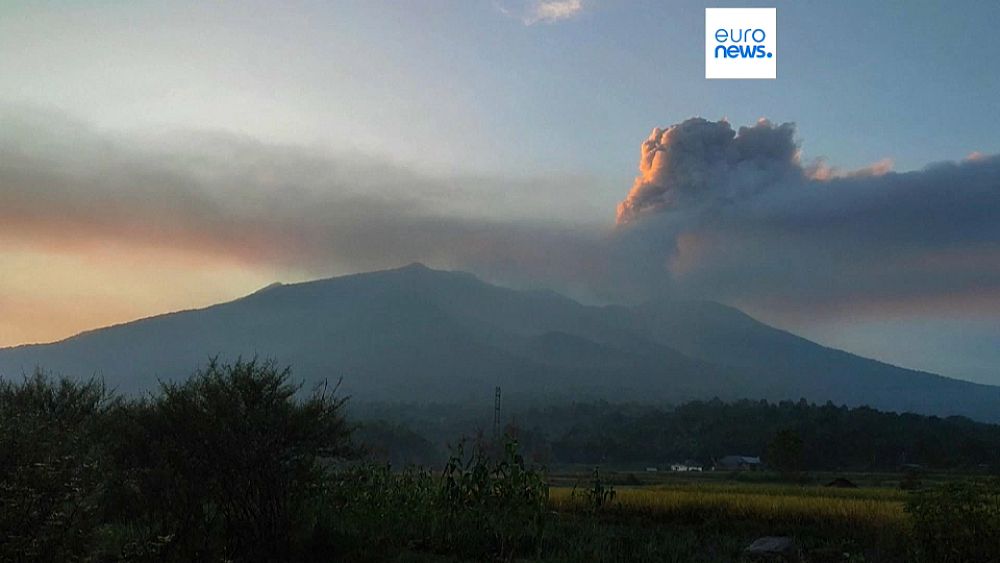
(957, 522)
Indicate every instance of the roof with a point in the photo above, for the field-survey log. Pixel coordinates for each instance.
(740, 459)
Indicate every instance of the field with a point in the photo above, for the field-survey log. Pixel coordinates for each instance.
(707, 518)
(704, 517)
(719, 515)
(864, 519)
(788, 507)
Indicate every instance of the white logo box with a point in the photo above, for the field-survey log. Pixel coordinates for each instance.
(741, 43)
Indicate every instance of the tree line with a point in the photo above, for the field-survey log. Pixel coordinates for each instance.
(829, 437)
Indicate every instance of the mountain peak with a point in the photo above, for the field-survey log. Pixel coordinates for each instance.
(268, 287)
(421, 270)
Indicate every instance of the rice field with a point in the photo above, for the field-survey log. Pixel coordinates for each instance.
(875, 515)
(788, 490)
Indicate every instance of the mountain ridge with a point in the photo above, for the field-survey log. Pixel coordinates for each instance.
(418, 333)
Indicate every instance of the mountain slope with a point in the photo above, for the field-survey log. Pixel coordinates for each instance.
(419, 334)
(787, 363)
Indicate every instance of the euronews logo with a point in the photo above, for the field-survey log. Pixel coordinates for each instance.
(740, 43)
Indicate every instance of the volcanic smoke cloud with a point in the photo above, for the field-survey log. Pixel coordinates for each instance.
(735, 216)
(681, 164)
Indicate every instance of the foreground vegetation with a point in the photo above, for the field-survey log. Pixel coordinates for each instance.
(240, 464)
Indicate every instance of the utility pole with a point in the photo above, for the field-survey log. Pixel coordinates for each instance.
(496, 417)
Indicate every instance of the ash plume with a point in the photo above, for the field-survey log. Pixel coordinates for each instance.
(735, 216)
(699, 159)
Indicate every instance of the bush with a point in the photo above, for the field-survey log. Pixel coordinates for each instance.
(51, 467)
(957, 522)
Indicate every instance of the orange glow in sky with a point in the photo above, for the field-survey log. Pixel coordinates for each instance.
(48, 295)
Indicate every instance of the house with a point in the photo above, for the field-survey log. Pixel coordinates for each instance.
(739, 463)
(687, 465)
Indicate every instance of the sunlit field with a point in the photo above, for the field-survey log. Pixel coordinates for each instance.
(717, 513)
(782, 489)
(872, 513)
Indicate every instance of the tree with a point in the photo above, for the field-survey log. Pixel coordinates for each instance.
(51, 467)
(224, 463)
(784, 453)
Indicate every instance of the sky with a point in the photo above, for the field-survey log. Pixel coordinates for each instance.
(163, 156)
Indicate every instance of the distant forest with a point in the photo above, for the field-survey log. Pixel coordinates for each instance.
(829, 437)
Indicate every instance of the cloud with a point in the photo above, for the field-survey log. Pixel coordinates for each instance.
(555, 10)
(715, 213)
(66, 187)
(820, 170)
(532, 12)
(735, 216)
